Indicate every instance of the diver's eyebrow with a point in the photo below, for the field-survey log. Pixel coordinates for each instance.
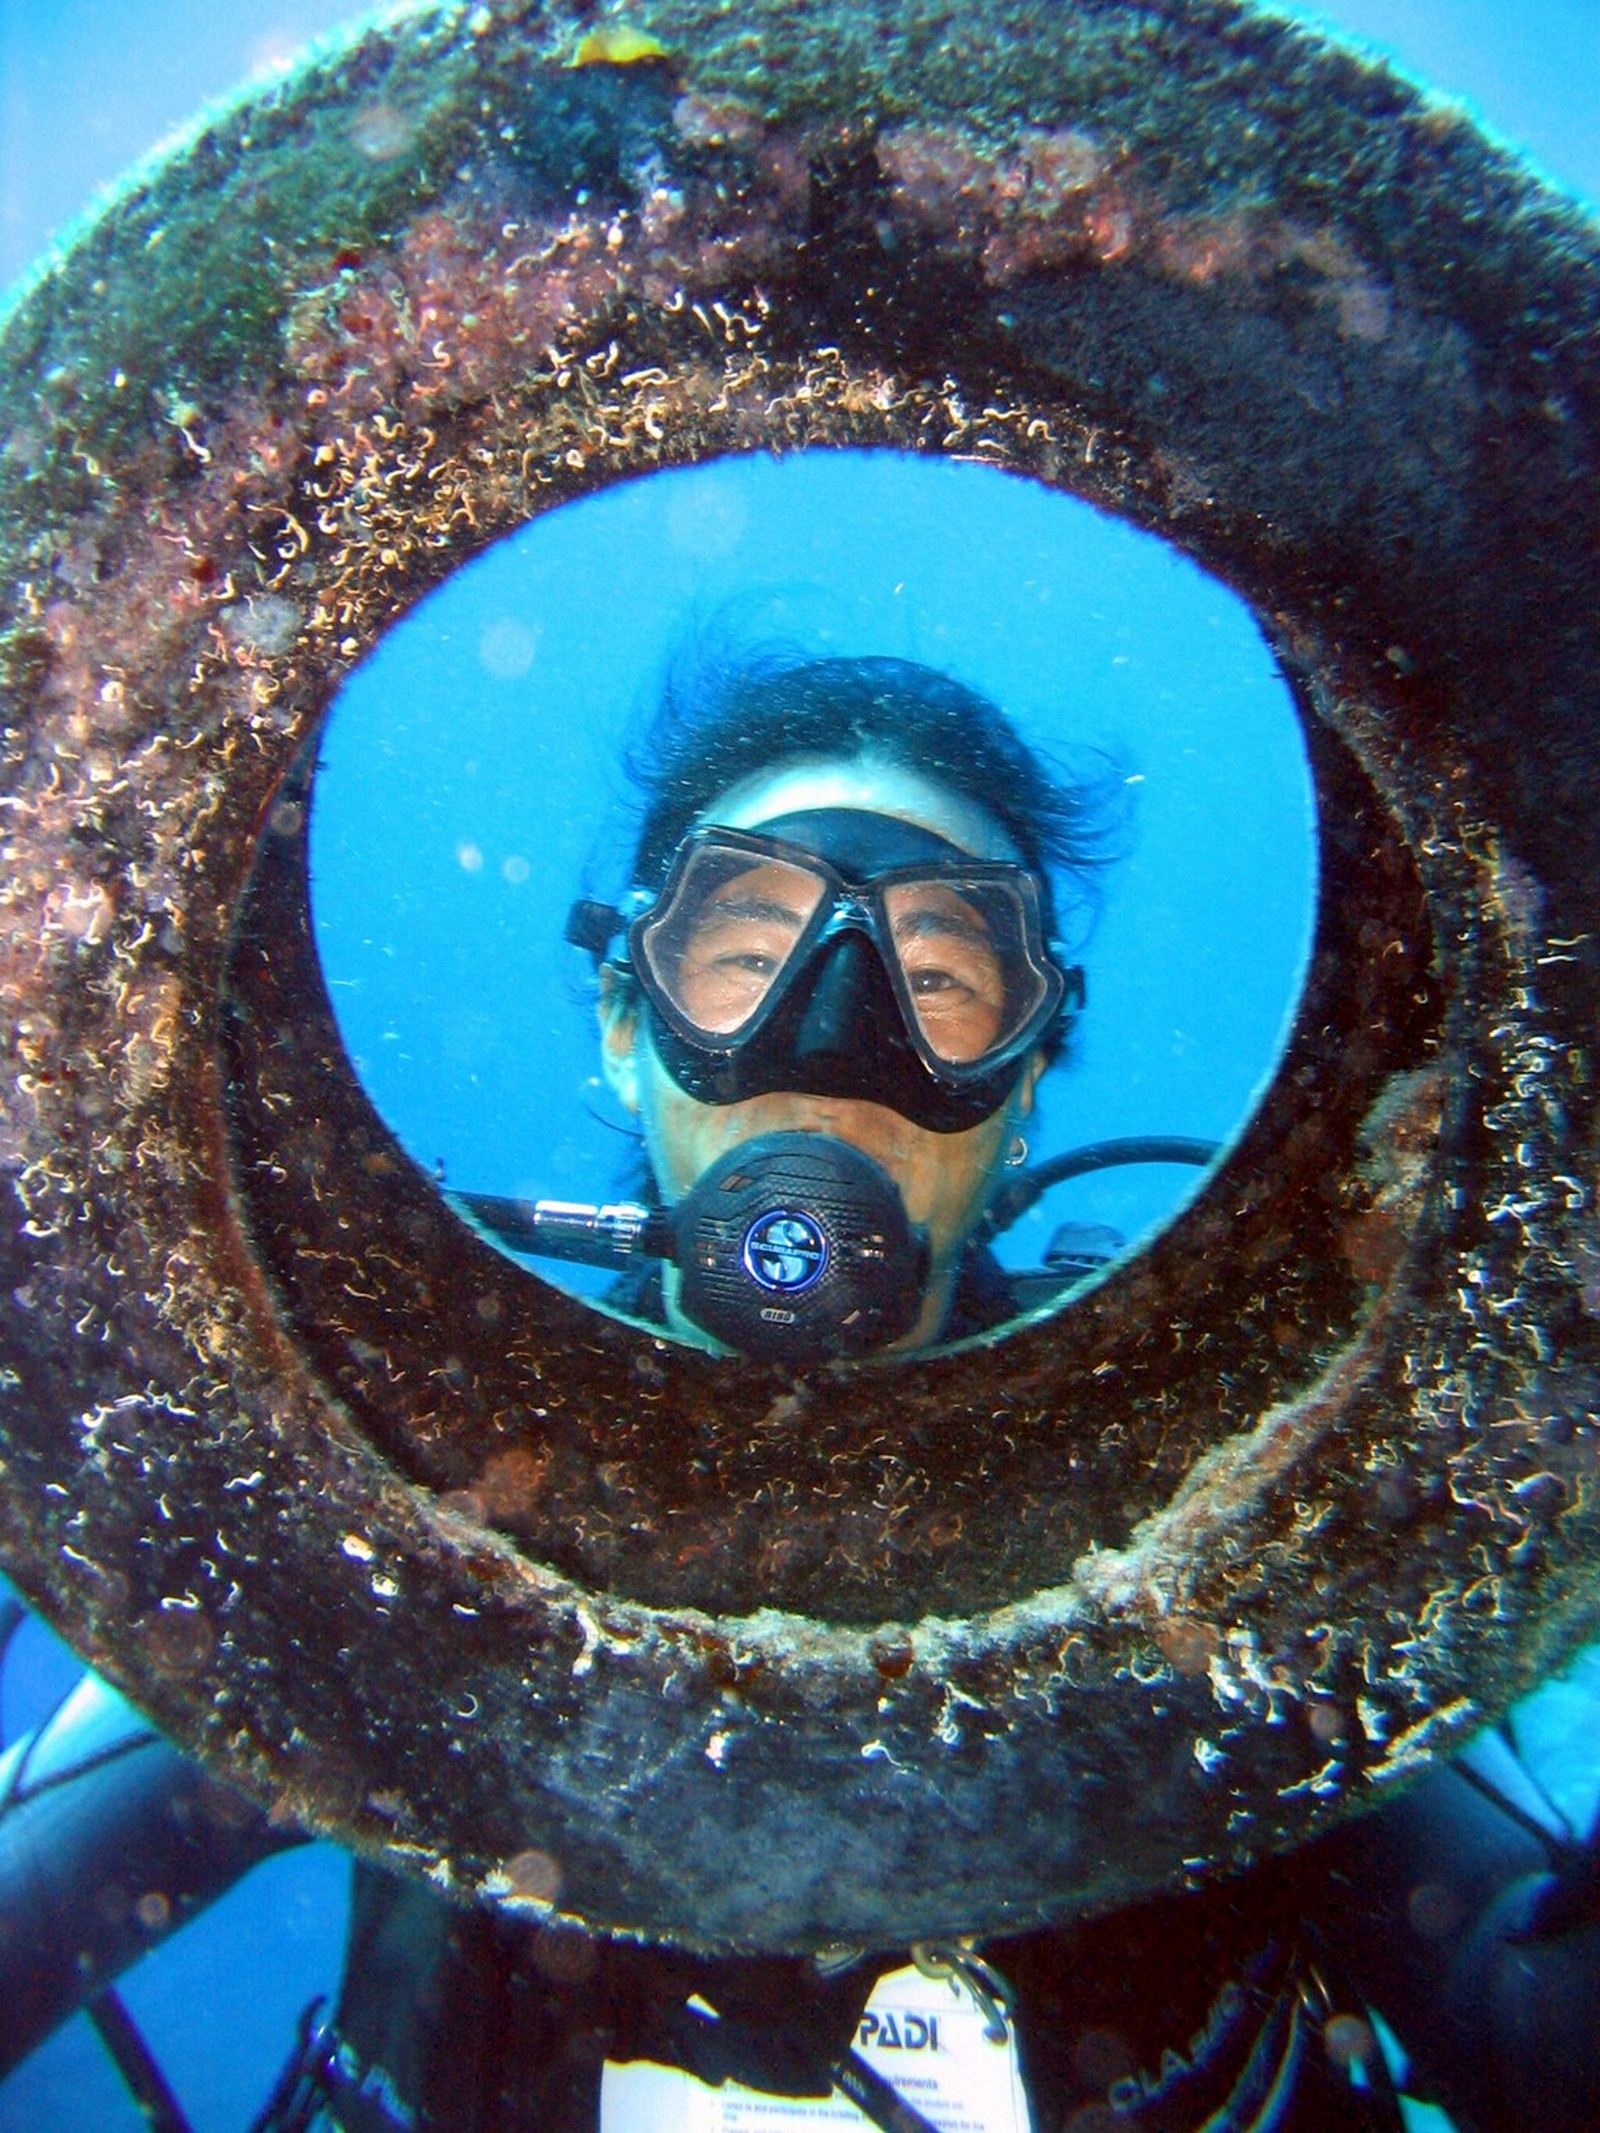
(940, 919)
(761, 907)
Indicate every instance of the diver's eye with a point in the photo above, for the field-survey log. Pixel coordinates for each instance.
(725, 940)
(929, 981)
(720, 987)
(728, 966)
(961, 1021)
(952, 971)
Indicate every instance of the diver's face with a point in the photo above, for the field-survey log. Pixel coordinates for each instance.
(945, 1179)
(747, 929)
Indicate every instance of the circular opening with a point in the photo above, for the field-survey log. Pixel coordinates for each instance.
(472, 785)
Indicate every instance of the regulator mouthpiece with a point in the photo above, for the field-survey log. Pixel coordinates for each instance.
(792, 1248)
(795, 1248)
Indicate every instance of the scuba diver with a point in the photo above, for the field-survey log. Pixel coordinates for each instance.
(838, 966)
(828, 998)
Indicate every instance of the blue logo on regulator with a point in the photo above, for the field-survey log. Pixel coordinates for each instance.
(785, 1251)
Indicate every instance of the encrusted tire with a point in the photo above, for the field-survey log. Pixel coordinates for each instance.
(447, 1565)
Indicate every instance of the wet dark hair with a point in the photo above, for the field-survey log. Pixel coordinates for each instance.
(722, 719)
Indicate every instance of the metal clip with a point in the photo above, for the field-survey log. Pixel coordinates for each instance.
(960, 1962)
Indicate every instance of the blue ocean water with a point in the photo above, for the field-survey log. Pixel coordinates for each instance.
(88, 85)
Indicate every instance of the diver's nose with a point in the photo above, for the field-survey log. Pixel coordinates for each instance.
(849, 1012)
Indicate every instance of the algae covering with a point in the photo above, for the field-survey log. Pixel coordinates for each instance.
(417, 1548)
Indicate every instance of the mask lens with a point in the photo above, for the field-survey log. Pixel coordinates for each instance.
(972, 975)
(725, 934)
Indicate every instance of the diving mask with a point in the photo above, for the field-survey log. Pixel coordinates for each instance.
(840, 952)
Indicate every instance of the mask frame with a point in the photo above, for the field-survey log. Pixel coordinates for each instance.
(901, 1068)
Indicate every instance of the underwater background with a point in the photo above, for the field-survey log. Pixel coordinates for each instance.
(87, 87)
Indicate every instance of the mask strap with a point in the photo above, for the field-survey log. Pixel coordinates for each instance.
(592, 926)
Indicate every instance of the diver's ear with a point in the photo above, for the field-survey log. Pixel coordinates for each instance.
(1033, 1067)
(618, 1010)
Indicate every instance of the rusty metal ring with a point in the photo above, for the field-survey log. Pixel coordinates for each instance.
(562, 1616)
